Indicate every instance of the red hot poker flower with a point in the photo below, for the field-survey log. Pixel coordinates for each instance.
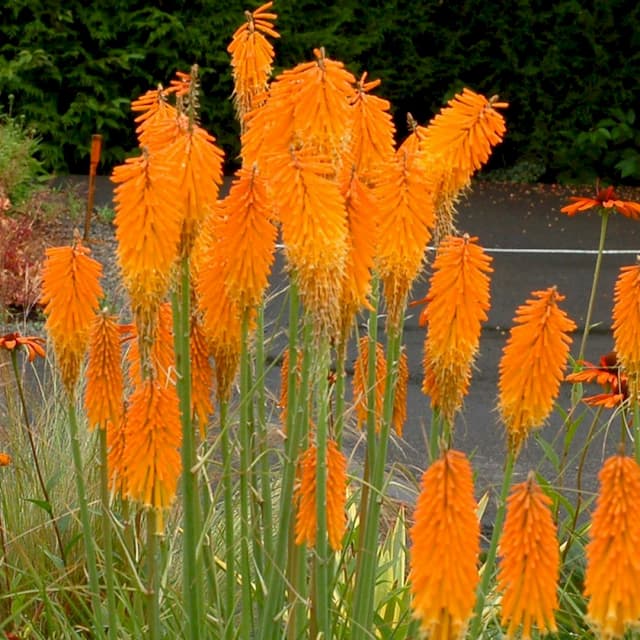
(605, 198)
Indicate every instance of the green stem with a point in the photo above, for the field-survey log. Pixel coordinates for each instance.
(341, 358)
(153, 576)
(229, 520)
(487, 574)
(322, 603)
(87, 535)
(604, 216)
(34, 455)
(107, 538)
(191, 581)
(246, 618)
(276, 572)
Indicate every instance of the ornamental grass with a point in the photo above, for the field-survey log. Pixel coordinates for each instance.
(206, 504)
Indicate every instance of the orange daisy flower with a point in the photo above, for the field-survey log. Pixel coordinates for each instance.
(604, 199)
(613, 554)
(71, 293)
(626, 319)
(457, 305)
(530, 564)
(151, 457)
(103, 397)
(5, 459)
(608, 375)
(445, 544)
(305, 497)
(32, 344)
(532, 364)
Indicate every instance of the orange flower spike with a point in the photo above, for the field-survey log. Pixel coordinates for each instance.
(247, 239)
(201, 375)
(406, 220)
(613, 553)
(148, 226)
(361, 378)
(373, 132)
(105, 387)
(626, 319)
(252, 57)
(464, 131)
(33, 345)
(115, 457)
(305, 497)
(530, 561)
(605, 199)
(445, 544)
(151, 457)
(71, 293)
(457, 305)
(156, 115)
(532, 364)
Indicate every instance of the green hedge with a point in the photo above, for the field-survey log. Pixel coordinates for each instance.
(569, 69)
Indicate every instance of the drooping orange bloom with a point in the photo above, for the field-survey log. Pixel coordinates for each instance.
(313, 218)
(305, 497)
(532, 364)
(156, 114)
(457, 305)
(400, 398)
(464, 131)
(32, 344)
(246, 238)
(201, 375)
(252, 57)
(529, 567)
(361, 381)
(626, 319)
(103, 397)
(151, 457)
(148, 222)
(608, 375)
(71, 293)
(445, 544)
(605, 199)
(372, 132)
(362, 222)
(613, 554)
(406, 219)
(5, 459)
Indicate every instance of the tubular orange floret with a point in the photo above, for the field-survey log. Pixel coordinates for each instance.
(315, 253)
(530, 564)
(115, 461)
(246, 237)
(457, 305)
(252, 57)
(532, 364)
(361, 378)
(626, 319)
(613, 554)
(305, 496)
(157, 119)
(445, 544)
(105, 387)
(148, 224)
(151, 457)
(71, 293)
(201, 375)
(406, 221)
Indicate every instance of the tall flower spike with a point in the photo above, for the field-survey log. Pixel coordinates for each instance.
(104, 393)
(530, 561)
(626, 319)
(305, 497)
(71, 293)
(201, 375)
(151, 457)
(613, 554)
(457, 305)
(445, 544)
(532, 364)
(246, 238)
(361, 381)
(406, 220)
(252, 57)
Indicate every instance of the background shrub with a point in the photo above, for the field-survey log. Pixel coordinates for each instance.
(569, 69)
